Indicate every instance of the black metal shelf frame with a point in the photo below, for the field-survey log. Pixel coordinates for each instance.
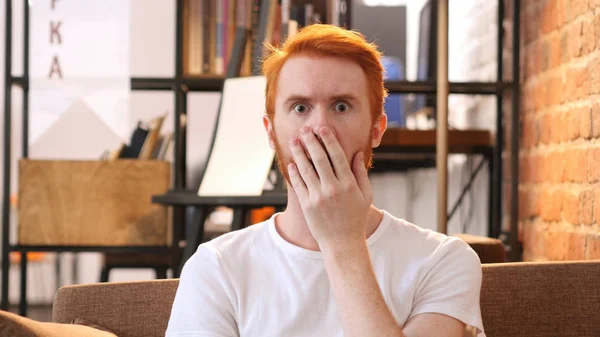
(181, 85)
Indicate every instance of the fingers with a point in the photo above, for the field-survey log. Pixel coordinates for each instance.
(297, 183)
(362, 176)
(304, 168)
(336, 154)
(319, 157)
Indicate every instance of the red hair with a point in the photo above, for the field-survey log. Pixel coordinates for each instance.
(328, 40)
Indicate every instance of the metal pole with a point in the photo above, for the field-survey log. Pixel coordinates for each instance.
(496, 206)
(442, 116)
(515, 249)
(25, 139)
(7, 156)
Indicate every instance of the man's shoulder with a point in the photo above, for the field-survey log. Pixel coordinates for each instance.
(426, 242)
(239, 240)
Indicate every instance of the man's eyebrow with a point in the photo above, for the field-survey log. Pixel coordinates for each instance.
(344, 97)
(296, 98)
(339, 97)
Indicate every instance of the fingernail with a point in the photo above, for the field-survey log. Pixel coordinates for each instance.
(294, 142)
(324, 131)
(304, 130)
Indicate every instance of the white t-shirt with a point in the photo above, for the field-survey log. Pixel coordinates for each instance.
(253, 283)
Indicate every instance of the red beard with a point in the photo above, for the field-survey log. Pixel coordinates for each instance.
(283, 161)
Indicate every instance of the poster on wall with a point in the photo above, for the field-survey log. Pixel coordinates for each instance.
(79, 76)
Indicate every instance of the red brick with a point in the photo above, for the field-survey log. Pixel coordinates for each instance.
(565, 52)
(532, 55)
(594, 164)
(562, 16)
(548, 17)
(576, 8)
(530, 134)
(546, 128)
(576, 39)
(597, 206)
(559, 127)
(592, 247)
(594, 76)
(551, 204)
(577, 83)
(586, 207)
(524, 164)
(553, 167)
(531, 25)
(589, 35)
(596, 24)
(583, 84)
(576, 162)
(570, 85)
(585, 122)
(554, 90)
(596, 120)
(572, 124)
(570, 206)
(563, 244)
(532, 238)
(529, 203)
(535, 169)
(527, 103)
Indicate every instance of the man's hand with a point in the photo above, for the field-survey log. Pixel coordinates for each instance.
(335, 199)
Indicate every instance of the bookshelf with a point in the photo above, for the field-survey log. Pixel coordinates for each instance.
(395, 153)
(187, 80)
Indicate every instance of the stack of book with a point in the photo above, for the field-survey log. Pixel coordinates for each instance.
(210, 25)
(146, 142)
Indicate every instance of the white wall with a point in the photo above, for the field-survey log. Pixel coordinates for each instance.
(413, 195)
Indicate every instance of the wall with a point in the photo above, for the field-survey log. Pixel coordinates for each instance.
(559, 198)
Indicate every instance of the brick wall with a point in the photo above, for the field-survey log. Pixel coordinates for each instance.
(559, 190)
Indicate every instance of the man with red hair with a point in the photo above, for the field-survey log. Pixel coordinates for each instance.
(331, 264)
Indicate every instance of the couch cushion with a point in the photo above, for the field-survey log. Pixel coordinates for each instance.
(541, 299)
(131, 309)
(17, 326)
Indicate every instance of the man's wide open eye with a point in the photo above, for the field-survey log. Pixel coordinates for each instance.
(300, 108)
(341, 107)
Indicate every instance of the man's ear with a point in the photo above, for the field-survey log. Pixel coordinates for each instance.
(379, 129)
(269, 128)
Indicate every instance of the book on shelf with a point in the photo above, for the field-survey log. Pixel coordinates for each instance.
(147, 142)
(210, 27)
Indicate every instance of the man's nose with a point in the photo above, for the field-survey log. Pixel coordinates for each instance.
(319, 120)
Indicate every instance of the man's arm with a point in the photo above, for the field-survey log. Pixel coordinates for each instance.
(363, 310)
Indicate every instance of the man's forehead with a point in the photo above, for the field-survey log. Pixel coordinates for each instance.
(319, 75)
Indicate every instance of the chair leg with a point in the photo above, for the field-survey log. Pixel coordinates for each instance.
(104, 274)
(161, 273)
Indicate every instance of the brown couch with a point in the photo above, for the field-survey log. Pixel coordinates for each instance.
(517, 299)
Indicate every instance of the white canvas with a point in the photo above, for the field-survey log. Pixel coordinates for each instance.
(91, 44)
(241, 157)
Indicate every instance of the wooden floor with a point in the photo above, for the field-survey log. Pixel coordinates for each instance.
(40, 313)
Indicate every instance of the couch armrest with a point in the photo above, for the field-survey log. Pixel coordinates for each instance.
(129, 309)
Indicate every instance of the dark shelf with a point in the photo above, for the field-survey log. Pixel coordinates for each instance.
(191, 198)
(106, 249)
(429, 87)
(203, 83)
(19, 81)
(396, 87)
(152, 83)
